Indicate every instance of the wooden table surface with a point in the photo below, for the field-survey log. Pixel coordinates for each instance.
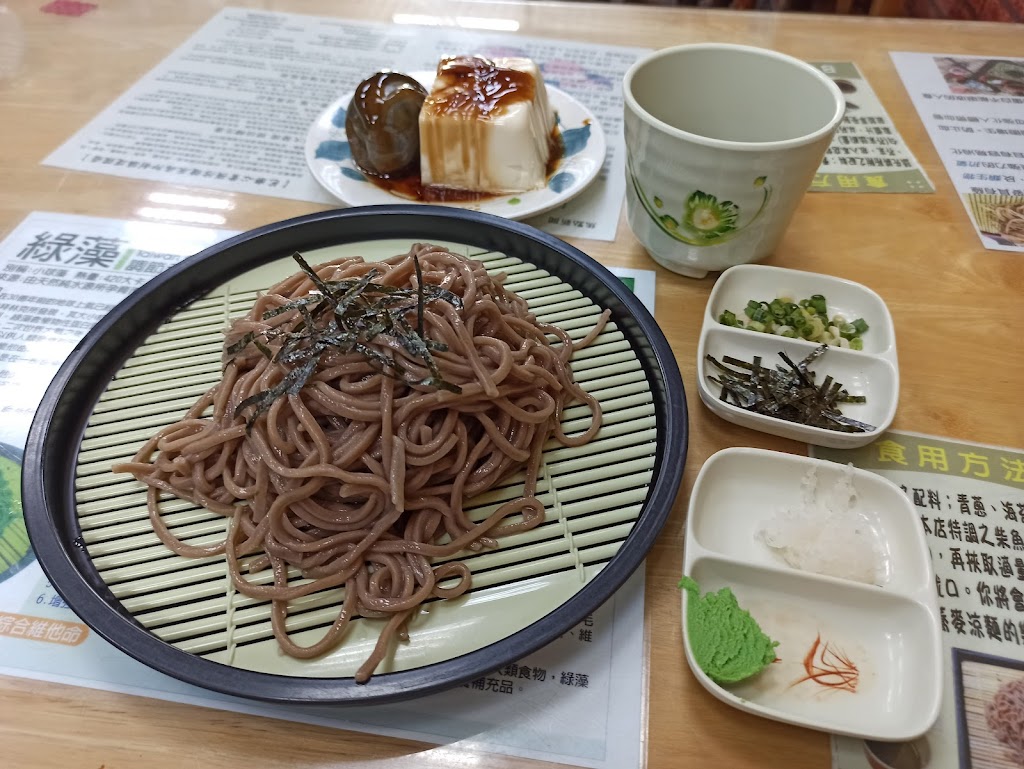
(957, 309)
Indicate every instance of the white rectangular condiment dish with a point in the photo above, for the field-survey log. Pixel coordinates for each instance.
(890, 633)
(872, 372)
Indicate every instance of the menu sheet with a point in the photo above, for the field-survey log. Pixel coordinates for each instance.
(970, 498)
(867, 154)
(973, 109)
(59, 274)
(231, 107)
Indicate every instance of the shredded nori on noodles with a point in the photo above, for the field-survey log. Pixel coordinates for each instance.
(357, 311)
(787, 392)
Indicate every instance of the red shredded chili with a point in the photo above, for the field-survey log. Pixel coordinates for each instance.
(828, 666)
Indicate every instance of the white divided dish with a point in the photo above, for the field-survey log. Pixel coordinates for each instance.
(872, 372)
(889, 632)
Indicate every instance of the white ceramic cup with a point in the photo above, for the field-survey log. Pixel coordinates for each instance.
(722, 142)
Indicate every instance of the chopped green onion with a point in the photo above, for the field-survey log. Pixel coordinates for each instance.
(728, 318)
(804, 319)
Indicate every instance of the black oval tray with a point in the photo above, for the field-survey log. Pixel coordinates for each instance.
(48, 480)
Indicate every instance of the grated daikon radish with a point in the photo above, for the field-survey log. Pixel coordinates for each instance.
(825, 533)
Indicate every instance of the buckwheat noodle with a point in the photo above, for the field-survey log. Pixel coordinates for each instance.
(359, 477)
(1010, 218)
(1005, 717)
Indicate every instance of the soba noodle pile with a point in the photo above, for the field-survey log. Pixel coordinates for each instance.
(1010, 218)
(1005, 717)
(361, 405)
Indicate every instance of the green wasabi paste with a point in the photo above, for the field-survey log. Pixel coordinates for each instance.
(726, 641)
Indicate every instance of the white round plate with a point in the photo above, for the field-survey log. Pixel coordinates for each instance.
(330, 160)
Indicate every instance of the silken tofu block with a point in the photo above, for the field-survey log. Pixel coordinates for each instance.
(486, 126)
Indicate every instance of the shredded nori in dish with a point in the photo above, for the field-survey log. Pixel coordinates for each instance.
(787, 392)
(346, 316)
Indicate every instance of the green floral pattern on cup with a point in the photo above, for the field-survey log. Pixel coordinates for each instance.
(704, 220)
(704, 217)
